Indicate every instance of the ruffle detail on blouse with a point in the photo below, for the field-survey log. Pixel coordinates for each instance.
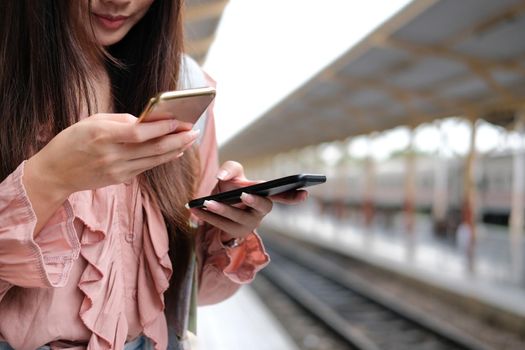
(223, 269)
(102, 281)
(239, 264)
(154, 274)
(103, 308)
(246, 259)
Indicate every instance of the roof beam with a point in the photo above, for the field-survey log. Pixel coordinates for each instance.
(401, 95)
(406, 97)
(359, 115)
(439, 51)
(507, 14)
(481, 68)
(496, 87)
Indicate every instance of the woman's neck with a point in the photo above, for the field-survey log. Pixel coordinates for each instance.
(101, 98)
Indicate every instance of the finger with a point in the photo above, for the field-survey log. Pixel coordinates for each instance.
(230, 170)
(117, 117)
(141, 132)
(137, 166)
(159, 127)
(222, 223)
(260, 205)
(179, 141)
(290, 197)
(244, 217)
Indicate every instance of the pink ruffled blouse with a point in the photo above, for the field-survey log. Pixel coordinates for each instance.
(95, 275)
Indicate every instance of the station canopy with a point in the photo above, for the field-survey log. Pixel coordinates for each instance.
(433, 59)
(201, 18)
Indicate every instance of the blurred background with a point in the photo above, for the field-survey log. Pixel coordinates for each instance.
(415, 112)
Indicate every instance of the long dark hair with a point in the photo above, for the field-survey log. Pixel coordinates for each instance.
(44, 80)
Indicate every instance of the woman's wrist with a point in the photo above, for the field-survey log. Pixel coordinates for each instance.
(230, 241)
(44, 193)
(40, 180)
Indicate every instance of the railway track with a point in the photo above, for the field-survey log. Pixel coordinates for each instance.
(362, 316)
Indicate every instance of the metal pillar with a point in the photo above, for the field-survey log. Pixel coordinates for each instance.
(440, 198)
(410, 185)
(410, 196)
(341, 174)
(369, 186)
(368, 197)
(469, 201)
(517, 209)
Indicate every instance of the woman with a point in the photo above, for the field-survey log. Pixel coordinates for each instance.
(95, 242)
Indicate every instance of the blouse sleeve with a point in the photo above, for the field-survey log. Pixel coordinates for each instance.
(222, 269)
(31, 262)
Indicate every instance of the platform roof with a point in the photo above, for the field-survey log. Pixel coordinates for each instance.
(201, 19)
(433, 59)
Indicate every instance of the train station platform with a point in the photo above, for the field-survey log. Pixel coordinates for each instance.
(421, 257)
(239, 323)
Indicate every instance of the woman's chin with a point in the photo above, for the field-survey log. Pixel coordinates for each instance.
(108, 39)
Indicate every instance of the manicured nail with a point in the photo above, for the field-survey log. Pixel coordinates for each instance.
(246, 198)
(195, 133)
(222, 174)
(195, 222)
(213, 205)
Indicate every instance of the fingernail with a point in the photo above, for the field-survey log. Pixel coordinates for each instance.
(222, 174)
(195, 133)
(180, 155)
(174, 124)
(187, 206)
(246, 198)
(195, 222)
(213, 205)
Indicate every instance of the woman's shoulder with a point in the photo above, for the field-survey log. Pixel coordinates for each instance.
(191, 73)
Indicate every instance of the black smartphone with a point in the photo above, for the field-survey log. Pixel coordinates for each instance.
(268, 188)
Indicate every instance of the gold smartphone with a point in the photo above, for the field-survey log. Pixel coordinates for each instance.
(183, 105)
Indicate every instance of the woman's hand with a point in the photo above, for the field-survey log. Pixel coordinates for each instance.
(107, 149)
(237, 221)
(98, 151)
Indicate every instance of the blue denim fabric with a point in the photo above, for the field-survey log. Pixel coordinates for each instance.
(141, 343)
(5, 346)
